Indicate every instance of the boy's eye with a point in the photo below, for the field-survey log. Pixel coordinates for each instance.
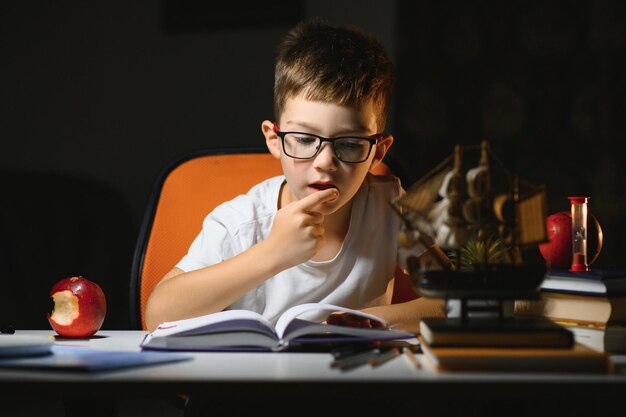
(351, 145)
(305, 140)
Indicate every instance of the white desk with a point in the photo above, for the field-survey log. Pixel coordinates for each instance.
(301, 375)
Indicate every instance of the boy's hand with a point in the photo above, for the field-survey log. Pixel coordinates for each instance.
(298, 232)
(346, 319)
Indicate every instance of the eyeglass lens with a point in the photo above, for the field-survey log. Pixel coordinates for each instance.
(299, 145)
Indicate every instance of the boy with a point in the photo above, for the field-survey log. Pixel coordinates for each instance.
(324, 231)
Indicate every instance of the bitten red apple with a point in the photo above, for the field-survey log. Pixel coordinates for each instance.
(79, 307)
(558, 251)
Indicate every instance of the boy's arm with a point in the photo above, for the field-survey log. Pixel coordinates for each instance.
(407, 316)
(297, 234)
(182, 295)
(402, 316)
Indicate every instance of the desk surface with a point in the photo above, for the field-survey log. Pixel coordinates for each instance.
(292, 374)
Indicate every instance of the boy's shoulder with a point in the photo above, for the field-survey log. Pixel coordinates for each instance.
(266, 188)
(384, 186)
(260, 200)
(390, 181)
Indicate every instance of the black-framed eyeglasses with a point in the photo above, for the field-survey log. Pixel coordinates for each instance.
(351, 149)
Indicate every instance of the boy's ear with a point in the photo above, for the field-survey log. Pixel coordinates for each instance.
(272, 141)
(382, 147)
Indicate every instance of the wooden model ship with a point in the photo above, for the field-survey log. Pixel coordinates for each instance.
(483, 218)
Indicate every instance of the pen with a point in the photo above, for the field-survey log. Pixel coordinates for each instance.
(384, 357)
(347, 351)
(358, 359)
(410, 356)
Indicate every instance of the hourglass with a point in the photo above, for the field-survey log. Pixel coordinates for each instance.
(579, 234)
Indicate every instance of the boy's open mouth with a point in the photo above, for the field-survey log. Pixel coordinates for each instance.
(322, 185)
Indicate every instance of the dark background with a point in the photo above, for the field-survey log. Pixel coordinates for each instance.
(95, 97)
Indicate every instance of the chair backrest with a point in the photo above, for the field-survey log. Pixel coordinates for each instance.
(183, 194)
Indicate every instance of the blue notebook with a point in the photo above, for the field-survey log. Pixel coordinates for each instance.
(17, 345)
(74, 358)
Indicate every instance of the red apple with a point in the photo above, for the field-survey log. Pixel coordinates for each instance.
(79, 307)
(558, 251)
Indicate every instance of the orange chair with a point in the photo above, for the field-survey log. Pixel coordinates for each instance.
(184, 193)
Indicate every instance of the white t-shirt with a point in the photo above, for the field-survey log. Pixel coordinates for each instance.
(357, 277)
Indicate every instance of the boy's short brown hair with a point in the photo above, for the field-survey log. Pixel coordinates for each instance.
(341, 65)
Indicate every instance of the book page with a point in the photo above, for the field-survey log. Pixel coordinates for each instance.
(307, 332)
(221, 319)
(296, 311)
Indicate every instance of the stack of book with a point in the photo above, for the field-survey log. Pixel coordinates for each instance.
(590, 304)
(525, 344)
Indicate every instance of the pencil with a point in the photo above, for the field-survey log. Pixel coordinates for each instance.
(410, 356)
(384, 357)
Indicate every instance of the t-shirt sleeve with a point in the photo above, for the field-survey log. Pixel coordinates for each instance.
(212, 245)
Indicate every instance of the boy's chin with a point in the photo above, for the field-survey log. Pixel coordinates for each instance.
(326, 211)
(329, 208)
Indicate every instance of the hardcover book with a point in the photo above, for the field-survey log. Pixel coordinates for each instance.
(578, 359)
(597, 310)
(244, 330)
(610, 338)
(611, 282)
(518, 332)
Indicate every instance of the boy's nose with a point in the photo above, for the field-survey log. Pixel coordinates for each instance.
(325, 159)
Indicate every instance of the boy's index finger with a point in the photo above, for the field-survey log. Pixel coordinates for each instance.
(318, 197)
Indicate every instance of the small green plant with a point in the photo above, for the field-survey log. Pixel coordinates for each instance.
(475, 252)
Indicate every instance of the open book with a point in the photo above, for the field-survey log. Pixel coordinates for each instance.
(244, 330)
